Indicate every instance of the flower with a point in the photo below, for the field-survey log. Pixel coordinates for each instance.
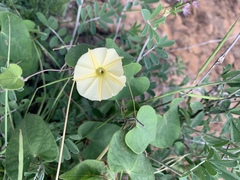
(186, 9)
(99, 74)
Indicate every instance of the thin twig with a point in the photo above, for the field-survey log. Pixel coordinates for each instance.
(217, 62)
(46, 70)
(64, 132)
(200, 44)
(120, 20)
(142, 50)
(77, 23)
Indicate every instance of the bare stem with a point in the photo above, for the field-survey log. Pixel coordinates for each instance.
(64, 132)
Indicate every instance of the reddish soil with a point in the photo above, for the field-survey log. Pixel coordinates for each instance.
(198, 34)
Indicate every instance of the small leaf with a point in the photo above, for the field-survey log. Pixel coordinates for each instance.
(146, 14)
(198, 119)
(71, 146)
(162, 53)
(11, 77)
(156, 11)
(210, 169)
(53, 41)
(196, 106)
(42, 18)
(159, 21)
(53, 23)
(141, 135)
(147, 62)
(145, 30)
(96, 8)
(235, 130)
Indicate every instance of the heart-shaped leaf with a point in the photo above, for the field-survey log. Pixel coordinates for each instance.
(38, 141)
(141, 135)
(168, 126)
(99, 135)
(11, 77)
(22, 50)
(122, 158)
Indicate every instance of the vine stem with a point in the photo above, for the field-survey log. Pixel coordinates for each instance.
(64, 132)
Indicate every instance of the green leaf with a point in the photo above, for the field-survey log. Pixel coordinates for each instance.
(156, 11)
(71, 146)
(22, 50)
(88, 169)
(11, 77)
(198, 119)
(164, 42)
(147, 62)
(145, 30)
(168, 127)
(159, 21)
(235, 130)
(42, 18)
(162, 53)
(96, 8)
(225, 174)
(225, 163)
(196, 106)
(121, 158)
(210, 169)
(53, 23)
(146, 14)
(135, 85)
(99, 136)
(38, 142)
(143, 134)
(53, 42)
(214, 141)
(75, 53)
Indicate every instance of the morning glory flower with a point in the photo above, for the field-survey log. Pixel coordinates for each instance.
(99, 74)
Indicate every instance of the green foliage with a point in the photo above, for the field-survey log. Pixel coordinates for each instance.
(89, 169)
(22, 50)
(149, 130)
(35, 145)
(11, 78)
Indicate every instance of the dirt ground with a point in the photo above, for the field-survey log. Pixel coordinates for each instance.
(198, 34)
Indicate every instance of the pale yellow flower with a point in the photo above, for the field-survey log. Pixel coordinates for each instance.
(99, 74)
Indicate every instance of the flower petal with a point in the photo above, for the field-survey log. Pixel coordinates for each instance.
(98, 56)
(95, 86)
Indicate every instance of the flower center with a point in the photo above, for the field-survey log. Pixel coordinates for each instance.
(100, 71)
